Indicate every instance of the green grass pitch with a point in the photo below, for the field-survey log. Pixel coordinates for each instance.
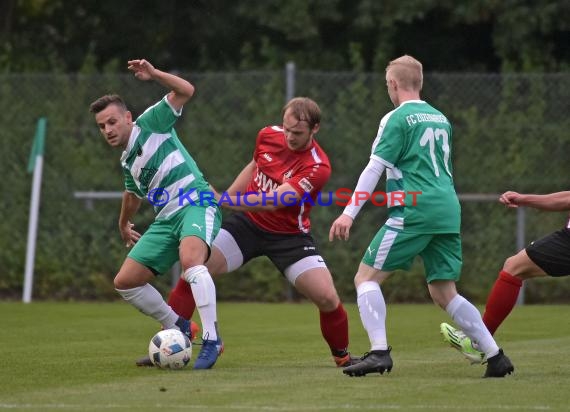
(80, 357)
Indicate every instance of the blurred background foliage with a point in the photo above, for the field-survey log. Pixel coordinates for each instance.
(227, 35)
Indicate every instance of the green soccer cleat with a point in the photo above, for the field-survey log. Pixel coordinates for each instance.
(458, 340)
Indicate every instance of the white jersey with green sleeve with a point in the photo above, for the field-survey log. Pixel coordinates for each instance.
(414, 143)
(156, 164)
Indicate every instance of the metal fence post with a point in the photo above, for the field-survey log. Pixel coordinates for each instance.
(290, 73)
(289, 94)
(521, 243)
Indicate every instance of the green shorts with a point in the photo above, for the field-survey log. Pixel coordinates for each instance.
(392, 249)
(157, 248)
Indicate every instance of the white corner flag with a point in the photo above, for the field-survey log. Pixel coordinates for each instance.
(35, 164)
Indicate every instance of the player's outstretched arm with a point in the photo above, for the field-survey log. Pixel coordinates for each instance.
(553, 202)
(181, 89)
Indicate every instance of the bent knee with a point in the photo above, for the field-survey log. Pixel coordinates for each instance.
(123, 282)
(120, 282)
(327, 302)
(511, 265)
(521, 267)
(369, 274)
(362, 277)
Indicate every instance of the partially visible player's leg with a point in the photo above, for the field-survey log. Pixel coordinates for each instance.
(505, 291)
(547, 256)
(501, 299)
(389, 250)
(298, 258)
(468, 318)
(181, 299)
(442, 260)
(198, 228)
(154, 250)
(372, 310)
(371, 304)
(132, 284)
(152, 255)
(311, 278)
(224, 252)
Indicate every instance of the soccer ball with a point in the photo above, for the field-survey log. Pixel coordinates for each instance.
(170, 349)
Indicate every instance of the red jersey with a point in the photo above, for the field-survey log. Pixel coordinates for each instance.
(306, 171)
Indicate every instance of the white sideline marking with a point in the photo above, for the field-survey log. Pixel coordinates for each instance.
(375, 407)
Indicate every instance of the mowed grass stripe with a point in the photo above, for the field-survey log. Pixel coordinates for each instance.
(80, 356)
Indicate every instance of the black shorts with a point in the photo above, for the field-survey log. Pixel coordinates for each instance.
(282, 249)
(552, 253)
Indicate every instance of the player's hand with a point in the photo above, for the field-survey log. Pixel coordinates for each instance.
(129, 235)
(142, 69)
(341, 228)
(510, 199)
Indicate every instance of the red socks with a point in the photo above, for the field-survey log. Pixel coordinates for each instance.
(334, 327)
(501, 300)
(181, 299)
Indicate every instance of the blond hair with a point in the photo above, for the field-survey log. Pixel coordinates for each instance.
(407, 71)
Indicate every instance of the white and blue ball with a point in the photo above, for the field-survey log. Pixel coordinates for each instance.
(170, 349)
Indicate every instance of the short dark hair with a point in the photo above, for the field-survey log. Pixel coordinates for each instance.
(102, 102)
(304, 109)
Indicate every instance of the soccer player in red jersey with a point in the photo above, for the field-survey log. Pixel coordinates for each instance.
(273, 195)
(547, 256)
(544, 257)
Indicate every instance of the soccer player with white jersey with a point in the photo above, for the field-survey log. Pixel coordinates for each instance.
(413, 145)
(157, 166)
(274, 194)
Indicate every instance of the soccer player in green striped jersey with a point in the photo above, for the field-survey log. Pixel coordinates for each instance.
(157, 166)
(413, 145)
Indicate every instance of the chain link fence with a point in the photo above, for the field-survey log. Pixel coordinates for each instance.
(510, 133)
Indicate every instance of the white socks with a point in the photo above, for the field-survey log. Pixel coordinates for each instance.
(150, 302)
(204, 292)
(469, 320)
(372, 308)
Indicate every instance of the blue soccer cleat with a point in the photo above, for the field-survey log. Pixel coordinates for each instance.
(211, 350)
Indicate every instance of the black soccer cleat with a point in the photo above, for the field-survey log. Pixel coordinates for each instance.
(144, 361)
(374, 361)
(498, 366)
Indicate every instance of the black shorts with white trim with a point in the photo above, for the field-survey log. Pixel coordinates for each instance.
(283, 249)
(552, 253)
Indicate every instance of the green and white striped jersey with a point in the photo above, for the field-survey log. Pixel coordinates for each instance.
(156, 164)
(414, 143)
